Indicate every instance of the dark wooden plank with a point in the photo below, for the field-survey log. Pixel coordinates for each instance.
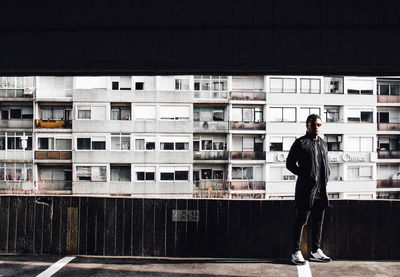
(65, 203)
(56, 227)
(202, 231)
(181, 238)
(286, 227)
(160, 218)
(21, 228)
(256, 225)
(211, 242)
(100, 225)
(148, 227)
(13, 223)
(222, 228)
(110, 223)
(171, 228)
(127, 227)
(267, 229)
(4, 218)
(330, 231)
(91, 229)
(192, 234)
(395, 229)
(39, 226)
(47, 225)
(83, 225)
(137, 234)
(119, 231)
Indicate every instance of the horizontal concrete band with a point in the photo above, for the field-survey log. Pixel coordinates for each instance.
(354, 229)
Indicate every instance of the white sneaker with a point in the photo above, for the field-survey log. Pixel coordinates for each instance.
(297, 258)
(319, 256)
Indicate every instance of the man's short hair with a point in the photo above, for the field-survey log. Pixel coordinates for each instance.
(312, 118)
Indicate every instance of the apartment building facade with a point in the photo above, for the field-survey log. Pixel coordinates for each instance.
(194, 136)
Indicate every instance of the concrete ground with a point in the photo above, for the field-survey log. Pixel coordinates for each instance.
(95, 266)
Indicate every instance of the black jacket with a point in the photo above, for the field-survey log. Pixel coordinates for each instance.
(302, 162)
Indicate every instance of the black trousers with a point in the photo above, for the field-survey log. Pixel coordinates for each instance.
(301, 219)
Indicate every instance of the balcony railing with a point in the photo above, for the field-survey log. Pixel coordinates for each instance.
(210, 155)
(16, 123)
(210, 126)
(14, 93)
(211, 189)
(54, 185)
(388, 154)
(248, 155)
(388, 99)
(54, 124)
(247, 185)
(211, 95)
(392, 183)
(248, 95)
(241, 125)
(388, 126)
(16, 187)
(53, 155)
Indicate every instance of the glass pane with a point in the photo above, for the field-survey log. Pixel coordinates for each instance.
(115, 143)
(63, 144)
(139, 144)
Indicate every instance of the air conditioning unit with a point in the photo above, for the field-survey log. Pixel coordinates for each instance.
(29, 91)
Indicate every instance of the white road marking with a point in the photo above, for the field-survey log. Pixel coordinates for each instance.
(304, 270)
(56, 267)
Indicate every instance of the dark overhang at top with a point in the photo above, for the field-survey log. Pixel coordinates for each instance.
(341, 37)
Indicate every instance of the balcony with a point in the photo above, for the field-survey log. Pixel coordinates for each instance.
(16, 93)
(210, 155)
(54, 124)
(248, 95)
(210, 95)
(210, 126)
(388, 126)
(388, 154)
(53, 155)
(211, 189)
(392, 183)
(247, 185)
(16, 187)
(247, 155)
(241, 125)
(52, 187)
(388, 99)
(16, 123)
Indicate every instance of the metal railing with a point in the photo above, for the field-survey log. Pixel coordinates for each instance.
(210, 126)
(14, 93)
(388, 126)
(54, 124)
(388, 154)
(211, 189)
(391, 183)
(247, 185)
(248, 95)
(241, 125)
(210, 155)
(211, 95)
(247, 155)
(53, 155)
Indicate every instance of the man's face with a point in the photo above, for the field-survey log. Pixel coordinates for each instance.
(314, 126)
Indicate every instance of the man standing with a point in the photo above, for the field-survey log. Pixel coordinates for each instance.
(308, 159)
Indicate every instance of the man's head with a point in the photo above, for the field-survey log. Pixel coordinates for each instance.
(313, 124)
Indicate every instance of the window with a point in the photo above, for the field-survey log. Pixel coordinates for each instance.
(281, 143)
(84, 112)
(2, 141)
(359, 172)
(357, 144)
(14, 140)
(16, 172)
(359, 86)
(120, 112)
(334, 142)
(283, 85)
(333, 85)
(366, 117)
(91, 173)
(83, 143)
(249, 144)
(331, 114)
(145, 112)
(56, 112)
(282, 114)
(305, 112)
(214, 83)
(247, 114)
(172, 144)
(92, 112)
(139, 86)
(174, 112)
(63, 144)
(55, 173)
(247, 173)
(355, 115)
(120, 173)
(383, 117)
(145, 173)
(174, 173)
(280, 174)
(387, 88)
(310, 85)
(93, 143)
(125, 83)
(181, 84)
(120, 141)
(46, 143)
(145, 144)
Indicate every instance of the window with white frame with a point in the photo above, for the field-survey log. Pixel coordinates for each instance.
(246, 173)
(331, 114)
(358, 86)
(212, 143)
(282, 114)
(213, 83)
(120, 173)
(357, 144)
(281, 143)
(359, 173)
(120, 141)
(334, 172)
(357, 115)
(121, 83)
(54, 143)
(280, 173)
(334, 142)
(91, 143)
(91, 173)
(16, 112)
(16, 82)
(120, 111)
(333, 84)
(16, 172)
(282, 85)
(145, 173)
(145, 143)
(55, 173)
(388, 88)
(177, 173)
(306, 111)
(182, 84)
(144, 112)
(174, 143)
(15, 140)
(247, 144)
(56, 112)
(247, 114)
(174, 112)
(208, 114)
(309, 85)
(94, 112)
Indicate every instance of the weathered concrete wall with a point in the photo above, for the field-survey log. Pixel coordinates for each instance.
(222, 228)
